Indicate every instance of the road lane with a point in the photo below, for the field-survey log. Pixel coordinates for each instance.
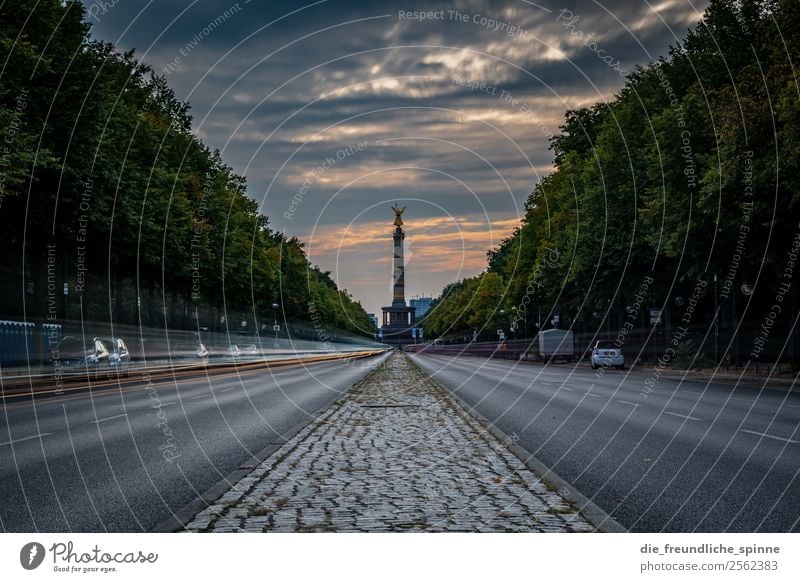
(123, 460)
(686, 456)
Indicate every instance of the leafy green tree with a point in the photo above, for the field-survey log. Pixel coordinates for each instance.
(103, 172)
(690, 171)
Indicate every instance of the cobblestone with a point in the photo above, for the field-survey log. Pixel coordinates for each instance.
(397, 453)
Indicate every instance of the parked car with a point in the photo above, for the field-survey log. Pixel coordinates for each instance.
(119, 359)
(606, 354)
(248, 350)
(201, 352)
(76, 357)
(234, 351)
(189, 351)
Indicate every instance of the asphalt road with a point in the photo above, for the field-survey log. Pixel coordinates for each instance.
(688, 456)
(123, 459)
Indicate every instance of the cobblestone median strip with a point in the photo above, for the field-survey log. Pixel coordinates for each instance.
(396, 454)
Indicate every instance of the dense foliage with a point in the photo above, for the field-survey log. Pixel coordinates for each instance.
(106, 189)
(690, 171)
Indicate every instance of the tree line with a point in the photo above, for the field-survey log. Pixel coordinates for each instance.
(107, 195)
(689, 174)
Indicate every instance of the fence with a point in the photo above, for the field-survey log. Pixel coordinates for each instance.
(31, 344)
(699, 346)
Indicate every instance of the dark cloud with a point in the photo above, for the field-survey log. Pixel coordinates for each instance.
(281, 93)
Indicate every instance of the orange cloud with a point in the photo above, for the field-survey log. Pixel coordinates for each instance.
(438, 250)
(430, 234)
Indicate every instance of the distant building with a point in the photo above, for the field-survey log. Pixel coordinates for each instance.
(374, 318)
(422, 305)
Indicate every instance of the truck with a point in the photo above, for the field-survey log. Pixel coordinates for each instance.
(557, 344)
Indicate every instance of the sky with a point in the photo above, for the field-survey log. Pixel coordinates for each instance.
(336, 110)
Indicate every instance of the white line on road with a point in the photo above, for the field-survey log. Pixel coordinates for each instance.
(99, 420)
(589, 392)
(162, 405)
(683, 416)
(629, 403)
(769, 436)
(30, 438)
(229, 389)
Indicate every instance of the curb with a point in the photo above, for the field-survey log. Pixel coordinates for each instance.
(176, 523)
(587, 508)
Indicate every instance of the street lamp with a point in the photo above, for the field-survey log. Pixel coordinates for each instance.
(275, 327)
(747, 290)
(513, 326)
(716, 321)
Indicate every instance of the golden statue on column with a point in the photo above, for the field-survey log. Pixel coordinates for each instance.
(398, 214)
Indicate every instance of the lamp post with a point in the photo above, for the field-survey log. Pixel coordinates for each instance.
(716, 322)
(275, 327)
(746, 290)
(514, 327)
(525, 323)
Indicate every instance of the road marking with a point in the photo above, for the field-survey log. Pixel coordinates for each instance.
(197, 396)
(683, 416)
(630, 403)
(30, 438)
(589, 392)
(99, 420)
(229, 389)
(769, 436)
(565, 388)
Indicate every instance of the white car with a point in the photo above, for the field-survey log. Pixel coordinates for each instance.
(201, 351)
(605, 354)
(79, 358)
(119, 359)
(248, 350)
